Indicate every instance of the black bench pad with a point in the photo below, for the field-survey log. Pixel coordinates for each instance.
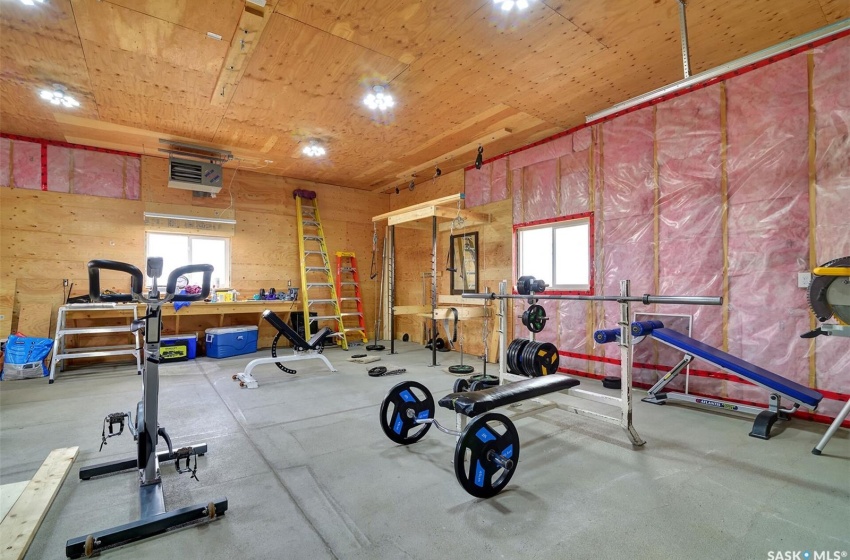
(479, 402)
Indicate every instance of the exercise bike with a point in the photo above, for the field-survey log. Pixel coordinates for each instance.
(154, 518)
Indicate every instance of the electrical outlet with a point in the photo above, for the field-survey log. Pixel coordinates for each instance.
(65, 282)
(804, 279)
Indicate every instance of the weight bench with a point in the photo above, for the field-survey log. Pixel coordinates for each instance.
(301, 350)
(779, 387)
(487, 450)
(478, 402)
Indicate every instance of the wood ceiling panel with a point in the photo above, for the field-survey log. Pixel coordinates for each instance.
(128, 30)
(216, 16)
(636, 24)
(42, 50)
(401, 30)
(835, 10)
(719, 33)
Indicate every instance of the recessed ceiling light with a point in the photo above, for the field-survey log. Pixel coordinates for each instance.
(379, 99)
(314, 149)
(58, 96)
(508, 5)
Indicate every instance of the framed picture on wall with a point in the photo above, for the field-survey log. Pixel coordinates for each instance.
(464, 259)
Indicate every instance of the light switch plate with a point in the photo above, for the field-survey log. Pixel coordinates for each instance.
(804, 279)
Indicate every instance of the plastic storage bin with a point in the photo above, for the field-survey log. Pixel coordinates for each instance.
(190, 340)
(225, 342)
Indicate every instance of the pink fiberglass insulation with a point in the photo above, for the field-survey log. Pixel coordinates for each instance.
(477, 186)
(539, 190)
(625, 210)
(26, 165)
(544, 152)
(690, 237)
(768, 220)
(832, 235)
(575, 184)
(133, 182)
(516, 182)
(98, 174)
(650, 351)
(5, 161)
(574, 318)
(582, 139)
(499, 180)
(59, 169)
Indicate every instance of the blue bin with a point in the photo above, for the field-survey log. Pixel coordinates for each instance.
(189, 340)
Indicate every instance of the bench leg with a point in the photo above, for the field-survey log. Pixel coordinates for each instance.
(763, 423)
(832, 429)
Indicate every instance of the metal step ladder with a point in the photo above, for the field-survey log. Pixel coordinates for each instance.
(350, 298)
(317, 283)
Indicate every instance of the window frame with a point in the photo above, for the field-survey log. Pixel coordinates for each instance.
(225, 279)
(553, 224)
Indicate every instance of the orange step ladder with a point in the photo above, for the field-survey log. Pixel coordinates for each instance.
(349, 297)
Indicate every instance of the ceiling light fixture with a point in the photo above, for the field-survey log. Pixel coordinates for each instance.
(508, 5)
(31, 2)
(314, 149)
(379, 99)
(58, 96)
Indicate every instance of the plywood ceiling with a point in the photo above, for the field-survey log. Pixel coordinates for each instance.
(462, 71)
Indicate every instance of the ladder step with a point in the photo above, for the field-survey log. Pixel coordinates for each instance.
(319, 284)
(349, 299)
(312, 238)
(356, 329)
(317, 269)
(312, 301)
(325, 318)
(349, 269)
(311, 223)
(314, 252)
(352, 314)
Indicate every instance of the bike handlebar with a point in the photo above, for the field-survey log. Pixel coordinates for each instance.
(137, 283)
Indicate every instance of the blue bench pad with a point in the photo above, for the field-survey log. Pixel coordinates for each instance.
(473, 403)
(754, 373)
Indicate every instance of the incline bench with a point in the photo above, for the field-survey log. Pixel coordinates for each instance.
(487, 449)
(301, 350)
(779, 387)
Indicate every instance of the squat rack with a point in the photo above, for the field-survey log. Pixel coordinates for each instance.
(410, 217)
(626, 344)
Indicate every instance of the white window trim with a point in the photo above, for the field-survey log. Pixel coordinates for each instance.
(554, 226)
(225, 278)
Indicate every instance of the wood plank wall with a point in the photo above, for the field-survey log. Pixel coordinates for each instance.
(51, 236)
(413, 250)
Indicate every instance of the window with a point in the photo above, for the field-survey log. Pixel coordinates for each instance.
(559, 252)
(179, 250)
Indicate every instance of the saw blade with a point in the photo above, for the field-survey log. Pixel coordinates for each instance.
(838, 297)
(818, 292)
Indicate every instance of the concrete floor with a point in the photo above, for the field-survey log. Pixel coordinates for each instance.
(309, 474)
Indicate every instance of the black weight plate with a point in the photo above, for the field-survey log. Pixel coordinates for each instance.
(405, 403)
(475, 469)
(535, 318)
(460, 386)
(461, 369)
(526, 359)
(546, 359)
(513, 353)
(523, 285)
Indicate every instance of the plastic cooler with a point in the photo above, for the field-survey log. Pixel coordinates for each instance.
(179, 348)
(225, 342)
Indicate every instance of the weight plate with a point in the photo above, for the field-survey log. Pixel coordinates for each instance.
(514, 350)
(460, 386)
(477, 469)
(535, 318)
(462, 369)
(546, 359)
(527, 359)
(523, 285)
(403, 405)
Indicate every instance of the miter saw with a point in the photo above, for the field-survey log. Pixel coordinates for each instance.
(829, 296)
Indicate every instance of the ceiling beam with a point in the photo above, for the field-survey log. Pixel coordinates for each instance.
(492, 137)
(245, 40)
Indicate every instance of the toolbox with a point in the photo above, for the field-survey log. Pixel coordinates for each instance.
(189, 342)
(225, 342)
